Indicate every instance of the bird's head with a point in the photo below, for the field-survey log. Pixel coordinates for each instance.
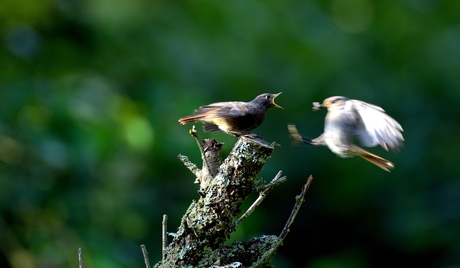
(268, 99)
(331, 103)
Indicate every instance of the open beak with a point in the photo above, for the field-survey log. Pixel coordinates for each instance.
(317, 106)
(273, 101)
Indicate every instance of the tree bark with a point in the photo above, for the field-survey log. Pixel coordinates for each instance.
(208, 222)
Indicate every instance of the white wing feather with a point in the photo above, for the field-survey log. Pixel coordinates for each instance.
(377, 128)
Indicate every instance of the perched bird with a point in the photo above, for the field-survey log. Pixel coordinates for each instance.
(347, 119)
(233, 117)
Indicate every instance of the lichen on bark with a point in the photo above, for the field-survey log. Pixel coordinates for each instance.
(209, 221)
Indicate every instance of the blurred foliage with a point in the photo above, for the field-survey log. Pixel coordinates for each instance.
(91, 92)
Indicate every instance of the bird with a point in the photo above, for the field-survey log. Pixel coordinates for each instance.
(347, 119)
(234, 117)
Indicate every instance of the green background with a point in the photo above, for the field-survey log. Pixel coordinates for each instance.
(91, 91)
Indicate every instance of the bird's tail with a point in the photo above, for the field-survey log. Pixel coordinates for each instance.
(191, 118)
(297, 137)
(374, 159)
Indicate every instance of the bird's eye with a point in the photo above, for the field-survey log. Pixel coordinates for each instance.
(267, 97)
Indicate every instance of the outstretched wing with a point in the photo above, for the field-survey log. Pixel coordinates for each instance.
(377, 127)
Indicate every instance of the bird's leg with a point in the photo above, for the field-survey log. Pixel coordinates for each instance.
(257, 138)
(307, 140)
(236, 135)
(298, 138)
(251, 135)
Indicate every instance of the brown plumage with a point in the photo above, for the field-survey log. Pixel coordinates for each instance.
(347, 119)
(374, 159)
(233, 117)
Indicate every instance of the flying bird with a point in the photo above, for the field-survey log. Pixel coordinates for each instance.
(233, 117)
(347, 119)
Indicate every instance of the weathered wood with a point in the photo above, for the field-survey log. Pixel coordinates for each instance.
(208, 222)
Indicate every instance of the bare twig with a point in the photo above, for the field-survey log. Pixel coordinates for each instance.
(192, 167)
(146, 256)
(267, 188)
(80, 259)
(203, 156)
(299, 200)
(164, 232)
(210, 154)
(275, 181)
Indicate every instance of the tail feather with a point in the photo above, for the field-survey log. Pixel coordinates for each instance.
(374, 159)
(191, 118)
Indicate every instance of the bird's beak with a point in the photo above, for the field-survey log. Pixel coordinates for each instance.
(317, 106)
(273, 101)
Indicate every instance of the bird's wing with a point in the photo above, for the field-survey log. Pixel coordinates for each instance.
(377, 127)
(225, 109)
